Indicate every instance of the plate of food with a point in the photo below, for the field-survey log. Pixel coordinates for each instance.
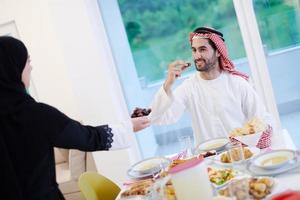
(216, 144)
(139, 189)
(220, 177)
(148, 167)
(255, 132)
(274, 159)
(224, 158)
(256, 187)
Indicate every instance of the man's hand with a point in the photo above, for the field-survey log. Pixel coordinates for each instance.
(140, 112)
(140, 123)
(174, 71)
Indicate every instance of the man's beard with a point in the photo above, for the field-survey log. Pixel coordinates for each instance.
(208, 65)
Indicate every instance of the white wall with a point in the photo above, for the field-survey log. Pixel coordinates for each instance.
(73, 67)
(49, 70)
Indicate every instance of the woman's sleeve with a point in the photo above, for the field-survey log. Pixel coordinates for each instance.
(88, 138)
(85, 138)
(123, 135)
(67, 133)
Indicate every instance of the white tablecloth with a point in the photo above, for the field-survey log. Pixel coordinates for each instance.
(284, 181)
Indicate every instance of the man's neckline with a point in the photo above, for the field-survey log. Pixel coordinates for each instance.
(210, 80)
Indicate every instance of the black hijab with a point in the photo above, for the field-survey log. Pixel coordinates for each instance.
(13, 57)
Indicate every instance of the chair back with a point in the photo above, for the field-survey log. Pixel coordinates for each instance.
(94, 186)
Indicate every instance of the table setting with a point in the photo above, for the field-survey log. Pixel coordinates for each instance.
(220, 168)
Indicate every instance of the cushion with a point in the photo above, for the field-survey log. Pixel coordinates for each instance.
(61, 155)
(77, 163)
(63, 173)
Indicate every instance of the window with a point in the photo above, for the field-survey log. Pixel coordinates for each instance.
(158, 31)
(147, 35)
(279, 25)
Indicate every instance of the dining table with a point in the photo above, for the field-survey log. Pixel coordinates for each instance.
(287, 179)
(283, 181)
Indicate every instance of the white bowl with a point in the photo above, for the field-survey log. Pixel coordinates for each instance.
(150, 165)
(213, 144)
(274, 159)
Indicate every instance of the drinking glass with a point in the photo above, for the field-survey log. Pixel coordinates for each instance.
(186, 145)
(236, 155)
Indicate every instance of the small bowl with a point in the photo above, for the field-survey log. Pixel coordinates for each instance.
(150, 165)
(213, 144)
(274, 159)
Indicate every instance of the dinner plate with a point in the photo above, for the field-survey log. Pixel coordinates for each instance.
(271, 172)
(217, 158)
(213, 144)
(274, 159)
(148, 167)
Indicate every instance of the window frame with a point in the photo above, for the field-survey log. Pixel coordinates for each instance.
(117, 37)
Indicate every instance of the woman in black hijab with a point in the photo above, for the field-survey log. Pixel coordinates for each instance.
(29, 131)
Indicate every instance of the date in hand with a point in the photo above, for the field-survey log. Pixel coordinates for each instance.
(140, 112)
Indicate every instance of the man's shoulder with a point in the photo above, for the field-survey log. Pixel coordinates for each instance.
(235, 78)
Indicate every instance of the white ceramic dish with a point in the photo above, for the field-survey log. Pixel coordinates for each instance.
(217, 158)
(214, 144)
(255, 177)
(258, 171)
(148, 167)
(274, 159)
(218, 170)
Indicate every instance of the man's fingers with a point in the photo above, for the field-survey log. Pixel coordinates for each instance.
(176, 63)
(145, 125)
(179, 62)
(144, 120)
(177, 74)
(184, 67)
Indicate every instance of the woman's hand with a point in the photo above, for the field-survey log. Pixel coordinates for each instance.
(140, 123)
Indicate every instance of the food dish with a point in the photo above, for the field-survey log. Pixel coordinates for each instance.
(220, 177)
(138, 188)
(274, 159)
(148, 167)
(214, 144)
(271, 172)
(255, 125)
(257, 187)
(249, 152)
(149, 189)
(207, 154)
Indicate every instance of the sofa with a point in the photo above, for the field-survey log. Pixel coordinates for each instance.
(69, 165)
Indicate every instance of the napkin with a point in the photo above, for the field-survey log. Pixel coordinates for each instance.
(287, 195)
(261, 140)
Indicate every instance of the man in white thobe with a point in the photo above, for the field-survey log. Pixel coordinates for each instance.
(218, 98)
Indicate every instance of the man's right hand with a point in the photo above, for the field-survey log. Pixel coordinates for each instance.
(174, 71)
(140, 123)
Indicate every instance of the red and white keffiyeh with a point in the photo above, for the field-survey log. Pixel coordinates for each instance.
(225, 62)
